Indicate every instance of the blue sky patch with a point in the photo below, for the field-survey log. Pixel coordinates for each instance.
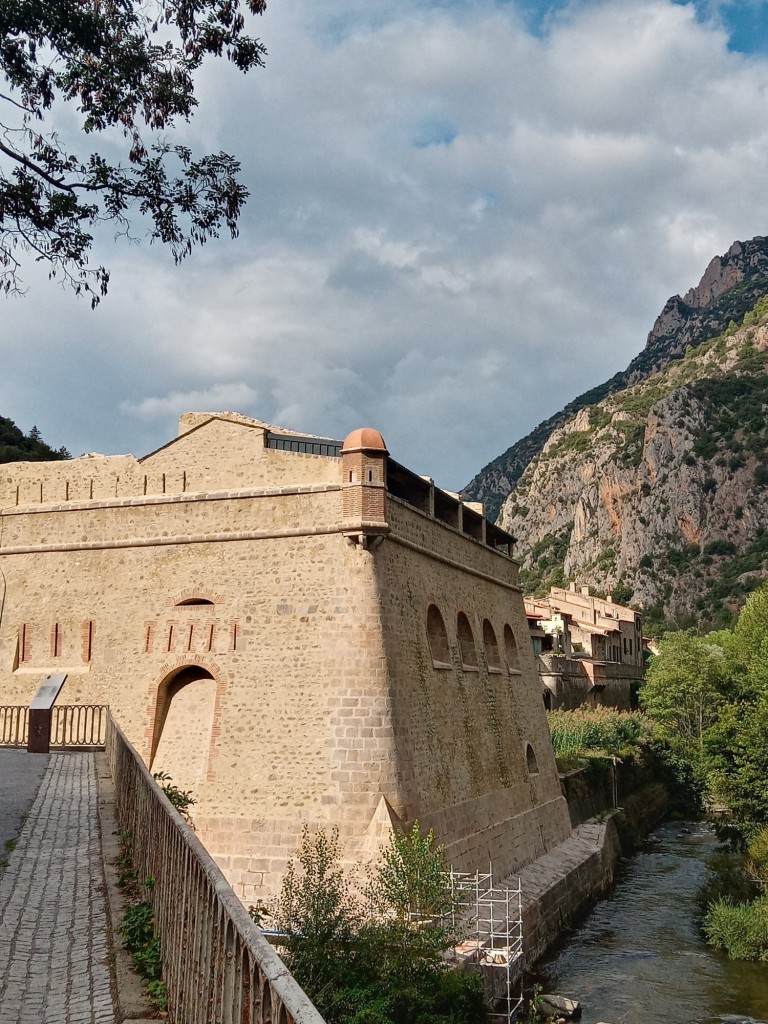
(434, 132)
(745, 21)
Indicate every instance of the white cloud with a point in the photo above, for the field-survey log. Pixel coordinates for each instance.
(219, 398)
(455, 226)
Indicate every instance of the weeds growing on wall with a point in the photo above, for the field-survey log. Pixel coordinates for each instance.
(137, 928)
(181, 799)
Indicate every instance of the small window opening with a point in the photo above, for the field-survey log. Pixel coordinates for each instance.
(510, 647)
(467, 647)
(194, 601)
(492, 656)
(56, 641)
(88, 641)
(530, 760)
(26, 645)
(437, 636)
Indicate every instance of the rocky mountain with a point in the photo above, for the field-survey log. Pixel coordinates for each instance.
(659, 492)
(731, 285)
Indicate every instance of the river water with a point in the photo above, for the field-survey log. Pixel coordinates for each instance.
(639, 959)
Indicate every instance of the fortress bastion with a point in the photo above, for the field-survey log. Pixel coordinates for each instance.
(299, 631)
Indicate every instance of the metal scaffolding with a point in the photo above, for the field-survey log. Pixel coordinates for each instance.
(491, 916)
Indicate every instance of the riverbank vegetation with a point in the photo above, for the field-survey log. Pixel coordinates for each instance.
(594, 734)
(374, 954)
(708, 699)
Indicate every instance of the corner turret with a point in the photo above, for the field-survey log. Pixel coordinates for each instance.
(364, 486)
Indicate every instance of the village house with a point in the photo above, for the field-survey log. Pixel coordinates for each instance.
(589, 650)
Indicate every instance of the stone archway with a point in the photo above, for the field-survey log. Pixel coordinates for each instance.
(186, 703)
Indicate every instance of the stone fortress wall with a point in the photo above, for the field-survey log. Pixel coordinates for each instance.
(266, 626)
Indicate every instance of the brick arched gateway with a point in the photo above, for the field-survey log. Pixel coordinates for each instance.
(186, 714)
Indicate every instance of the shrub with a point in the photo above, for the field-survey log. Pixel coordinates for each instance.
(180, 798)
(740, 929)
(598, 730)
(757, 856)
(376, 959)
(726, 882)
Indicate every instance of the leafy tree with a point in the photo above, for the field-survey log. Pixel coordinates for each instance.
(683, 688)
(128, 68)
(375, 959)
(751, 639)
(409, 899)
(317, 914)
(15, 446)
(737, 763)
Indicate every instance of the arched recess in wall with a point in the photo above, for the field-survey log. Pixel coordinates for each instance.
(437, 635)
(181, 742)
(510, 648)
(547, 700)
(467, 648)
(530, 760)
(491, 645)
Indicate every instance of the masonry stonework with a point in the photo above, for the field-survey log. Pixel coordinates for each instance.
(253, 605)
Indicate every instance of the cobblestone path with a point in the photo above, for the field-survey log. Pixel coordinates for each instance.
(53, 923)
(20, 777)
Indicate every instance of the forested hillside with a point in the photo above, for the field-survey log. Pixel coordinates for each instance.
(16, 446)
(730, 286)
(659, 492)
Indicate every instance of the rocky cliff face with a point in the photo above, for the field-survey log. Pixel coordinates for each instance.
(729, 288)
(659, 492)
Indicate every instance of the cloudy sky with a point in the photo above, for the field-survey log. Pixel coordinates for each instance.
(463, 213)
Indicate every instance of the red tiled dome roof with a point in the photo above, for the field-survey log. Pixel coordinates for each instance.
(364, 439)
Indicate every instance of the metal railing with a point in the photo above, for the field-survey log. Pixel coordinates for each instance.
(79, 725)
(217, 964)
(14, 726)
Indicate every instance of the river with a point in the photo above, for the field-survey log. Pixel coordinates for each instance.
(639, 959)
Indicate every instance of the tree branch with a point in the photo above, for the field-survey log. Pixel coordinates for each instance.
(9, 99)
(25, 162)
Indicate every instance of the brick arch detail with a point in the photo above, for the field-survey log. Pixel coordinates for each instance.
(171, 668)
(192, 593)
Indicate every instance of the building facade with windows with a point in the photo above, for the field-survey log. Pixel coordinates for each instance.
(589, 650)
(300, 631)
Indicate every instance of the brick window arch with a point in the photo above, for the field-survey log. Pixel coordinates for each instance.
(437, 635)
(510, 647)
(491, 645)
(467, 648)
(530, 760)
